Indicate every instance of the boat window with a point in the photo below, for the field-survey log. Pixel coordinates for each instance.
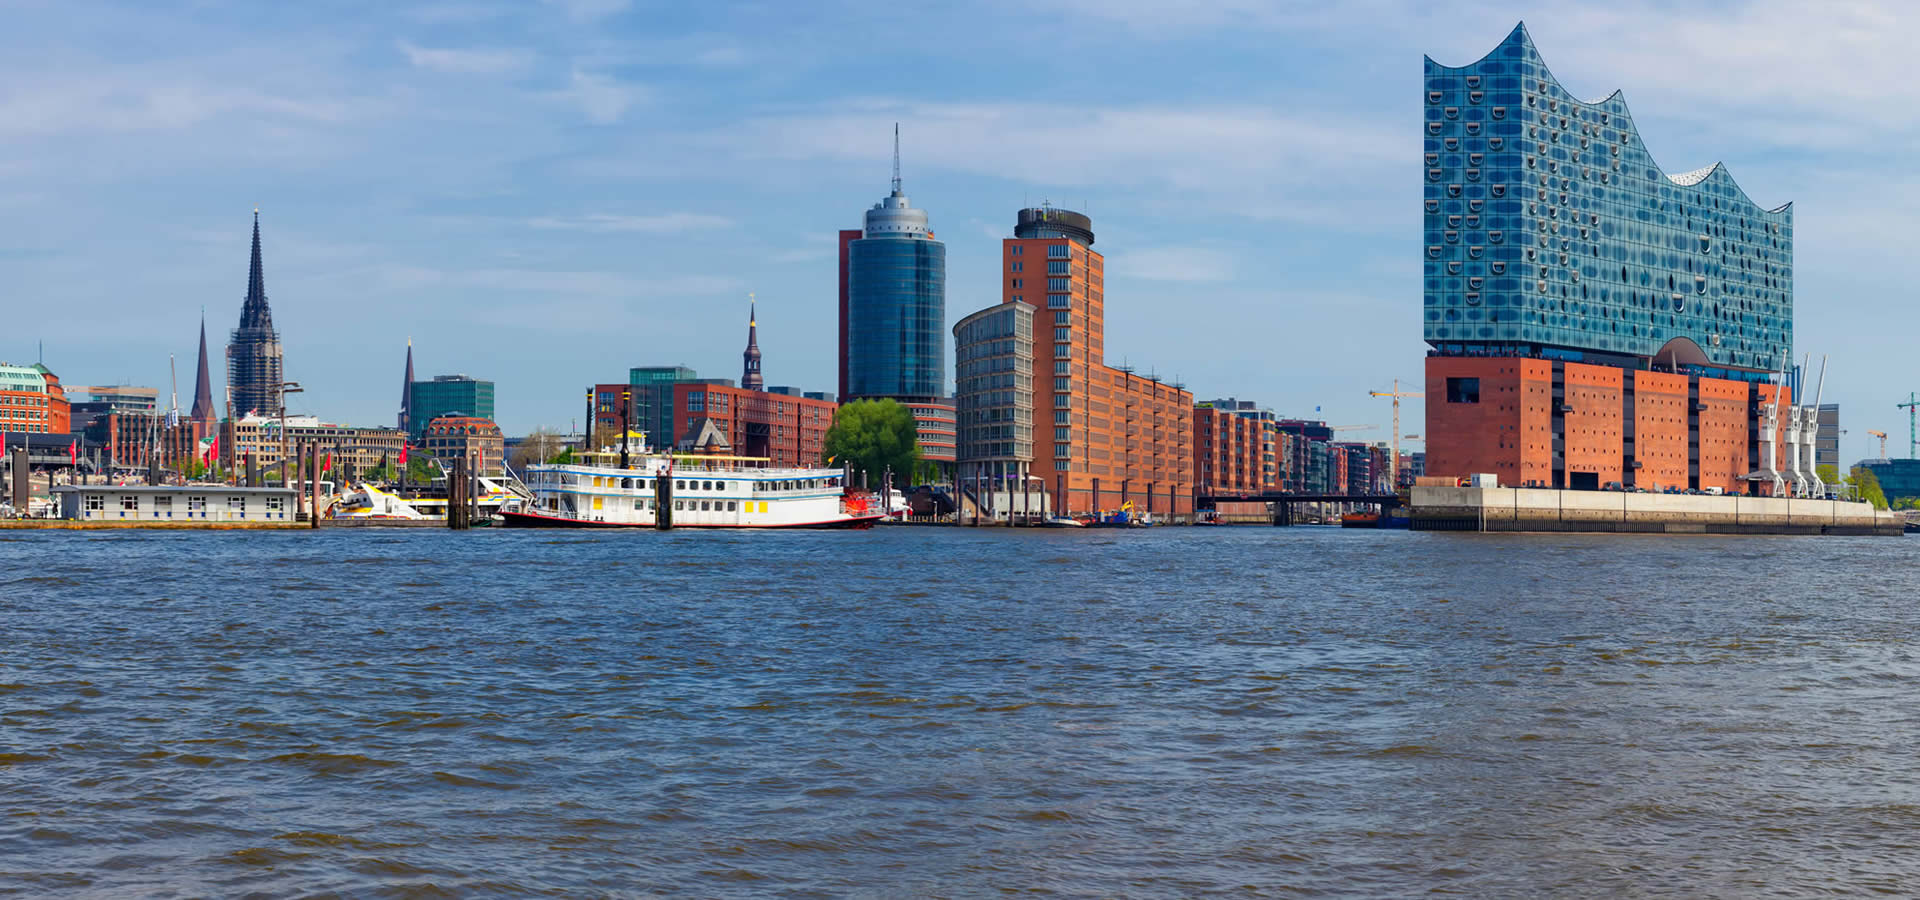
(679, 504)
(731, 506)
(706, 504)
(707, 486)
(679, 485)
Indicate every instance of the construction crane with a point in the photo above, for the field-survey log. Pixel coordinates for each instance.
(1913, 434)
(1883, 441)
(1393, 460)
(1352, 427)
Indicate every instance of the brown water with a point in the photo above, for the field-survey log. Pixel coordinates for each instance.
(951, 712)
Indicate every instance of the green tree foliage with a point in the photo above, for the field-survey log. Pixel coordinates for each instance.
(1828, 473)
(1868, 486)
(875, 437)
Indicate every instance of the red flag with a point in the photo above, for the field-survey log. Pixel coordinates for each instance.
(327, 464)
(403, 453)
(73, 453)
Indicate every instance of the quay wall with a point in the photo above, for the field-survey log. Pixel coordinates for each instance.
(97, 525)
(1534, 509)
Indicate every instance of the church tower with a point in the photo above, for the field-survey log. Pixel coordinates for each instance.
(254, 370)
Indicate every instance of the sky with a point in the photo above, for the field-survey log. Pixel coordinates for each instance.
(549, 192)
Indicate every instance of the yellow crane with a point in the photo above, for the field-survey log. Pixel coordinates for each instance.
(1393, 460)
(1883, 441)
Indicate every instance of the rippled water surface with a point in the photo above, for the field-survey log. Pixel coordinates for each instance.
(954, 712)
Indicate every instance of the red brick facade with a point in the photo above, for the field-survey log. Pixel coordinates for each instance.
(1102, 436)
(1500, 415)
(790, 431)
(1229, 453)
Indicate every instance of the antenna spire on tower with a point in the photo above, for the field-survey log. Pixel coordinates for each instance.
(896, 157)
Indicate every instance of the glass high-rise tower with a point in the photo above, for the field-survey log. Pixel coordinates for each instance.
(893, 316)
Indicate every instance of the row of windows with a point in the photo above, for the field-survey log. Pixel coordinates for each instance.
(163, 503)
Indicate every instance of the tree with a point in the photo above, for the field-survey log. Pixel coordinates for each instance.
(539, 446)
(1868, 486)
(875, 437)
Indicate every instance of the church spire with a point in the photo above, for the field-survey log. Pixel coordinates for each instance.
(203, 411)
(750, 376)
(255, 367)
(255, 314)
(406, 392)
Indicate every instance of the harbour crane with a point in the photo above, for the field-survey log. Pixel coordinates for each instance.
(1393, 460)
(1913, 434)
(1883, 441)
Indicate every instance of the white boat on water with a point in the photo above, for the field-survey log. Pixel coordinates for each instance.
(705, 492)
(369, 501)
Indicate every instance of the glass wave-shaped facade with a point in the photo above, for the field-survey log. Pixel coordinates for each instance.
(1550, 231)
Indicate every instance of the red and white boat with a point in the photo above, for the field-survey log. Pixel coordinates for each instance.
(704, 492)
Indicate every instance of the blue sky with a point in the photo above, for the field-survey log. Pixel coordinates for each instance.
(547, 193)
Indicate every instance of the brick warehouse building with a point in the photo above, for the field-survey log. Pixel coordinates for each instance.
(786, 427)
(1232, 452)
(1101, 436)
(32, 401)
(1591, 318)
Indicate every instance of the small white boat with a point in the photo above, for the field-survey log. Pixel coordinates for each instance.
(369, 501)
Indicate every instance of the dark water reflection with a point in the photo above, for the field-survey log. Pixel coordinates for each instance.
(1176, 712)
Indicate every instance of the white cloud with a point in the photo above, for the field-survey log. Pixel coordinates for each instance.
(603, 98)
(588, 10)
(133, 100)
(1181, 264)
(1243, 161)
(664, 223)
(466, 62)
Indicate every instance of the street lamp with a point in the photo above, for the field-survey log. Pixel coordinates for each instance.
(284, 388)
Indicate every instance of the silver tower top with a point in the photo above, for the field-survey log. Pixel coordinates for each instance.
(895, 216)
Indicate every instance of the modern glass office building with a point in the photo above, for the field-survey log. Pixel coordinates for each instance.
(893, 316)
(448, 395)
(897, 305)
(1550, 232)
(653, 399)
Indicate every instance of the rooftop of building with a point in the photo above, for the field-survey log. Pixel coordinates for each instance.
(1519, 44)
(169, 489)
(453, 425)
(1047, 222)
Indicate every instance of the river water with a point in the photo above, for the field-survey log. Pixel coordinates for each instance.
(956, 712)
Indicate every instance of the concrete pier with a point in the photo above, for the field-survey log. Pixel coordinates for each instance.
(1530, 509)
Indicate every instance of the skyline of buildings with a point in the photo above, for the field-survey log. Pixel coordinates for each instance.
(1533, 197)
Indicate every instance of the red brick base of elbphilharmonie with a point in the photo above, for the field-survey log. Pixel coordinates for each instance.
(1548, 423)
